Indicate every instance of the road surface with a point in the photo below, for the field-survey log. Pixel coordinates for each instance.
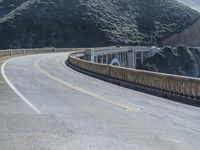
(45, 105)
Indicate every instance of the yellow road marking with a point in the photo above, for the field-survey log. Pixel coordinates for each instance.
(111, 101)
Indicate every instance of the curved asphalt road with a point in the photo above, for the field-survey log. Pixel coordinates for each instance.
(61, 109)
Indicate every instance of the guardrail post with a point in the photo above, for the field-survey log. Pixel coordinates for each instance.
(11, 52)
(52, 50)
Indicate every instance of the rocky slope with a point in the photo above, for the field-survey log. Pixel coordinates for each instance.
(180, 61)
(84, 23)
(190, 37)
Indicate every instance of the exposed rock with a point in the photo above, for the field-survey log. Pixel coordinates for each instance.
(180, 61)
(190, 37)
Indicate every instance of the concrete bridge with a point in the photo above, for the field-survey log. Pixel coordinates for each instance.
(128, 57)
(47, 105)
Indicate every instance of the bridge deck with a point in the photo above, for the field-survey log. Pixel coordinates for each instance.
(80, 112)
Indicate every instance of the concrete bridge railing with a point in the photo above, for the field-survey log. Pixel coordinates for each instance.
(125, 56)
(184, 87)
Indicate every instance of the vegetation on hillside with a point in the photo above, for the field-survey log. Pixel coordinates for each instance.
(85, 23)
(180, 61)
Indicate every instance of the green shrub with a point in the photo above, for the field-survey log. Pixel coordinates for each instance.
(150, 67)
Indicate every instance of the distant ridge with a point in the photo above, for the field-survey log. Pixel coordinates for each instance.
(88, 23)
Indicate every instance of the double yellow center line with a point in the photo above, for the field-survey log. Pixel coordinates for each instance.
(101, 98)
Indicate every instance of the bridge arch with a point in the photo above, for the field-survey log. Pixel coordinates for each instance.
(115, 62)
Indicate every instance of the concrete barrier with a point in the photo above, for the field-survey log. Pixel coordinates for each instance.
(183, 87)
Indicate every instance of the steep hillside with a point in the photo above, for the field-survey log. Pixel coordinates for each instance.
(84, 23)
(189, 37)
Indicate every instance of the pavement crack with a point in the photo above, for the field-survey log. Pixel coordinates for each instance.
(173, 122)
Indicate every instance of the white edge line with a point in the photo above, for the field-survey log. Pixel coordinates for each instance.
(15, 90)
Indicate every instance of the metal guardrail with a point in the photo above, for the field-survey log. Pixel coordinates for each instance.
(14, 52)
(166, 83)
